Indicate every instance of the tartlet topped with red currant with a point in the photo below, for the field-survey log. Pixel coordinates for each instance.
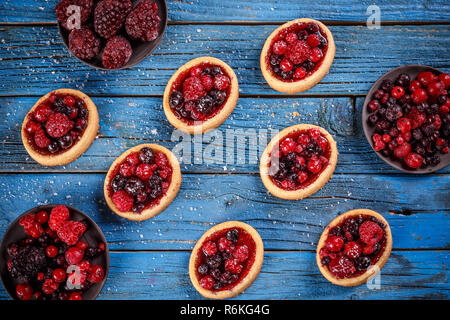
(54, 252)
(298, 161)
(201, 95)
(353, 247)
(142, 182)
(297, 55)
(406, 118)
(60, 127)
(226, 260)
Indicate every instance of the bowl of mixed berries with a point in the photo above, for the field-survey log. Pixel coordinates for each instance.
(111, 34)
(53, 252)
(406, 118)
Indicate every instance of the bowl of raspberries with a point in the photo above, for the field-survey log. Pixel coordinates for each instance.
(54, 252)
(406, 118)
(111, 34)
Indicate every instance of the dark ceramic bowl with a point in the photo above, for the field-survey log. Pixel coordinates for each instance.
(412, 70)
(140, 49)
(92, 237)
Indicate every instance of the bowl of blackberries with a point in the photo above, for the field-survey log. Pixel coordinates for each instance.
(54, 252)
(111, 34)
(406, 118)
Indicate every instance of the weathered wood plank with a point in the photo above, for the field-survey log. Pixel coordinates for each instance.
(209, 199)
(32, 56)
(249, 10)
(142, 120)
(284, 275)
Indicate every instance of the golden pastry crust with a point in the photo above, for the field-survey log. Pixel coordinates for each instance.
(164, 202)
(301, 193)
(244, 282)
(354, 281)
(76, 150)
(307, 82)
(221, 116)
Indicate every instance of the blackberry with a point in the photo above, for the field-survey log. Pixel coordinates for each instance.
(156, 192)
(403, 80)
(118, 183)
(214, 261)
(133, 186)
(12, 249)
(143, 22)
(362, 263)
(233, 235)
(146, 155)
(110, 15)
(137, 208)
(205, 104)
(117, 52)
(176, 100)
(63, 15)
(218, 97)
(275, 59)
(83, 43)
(325, 261)
(203, 269)
(26, 264)
(302, 35)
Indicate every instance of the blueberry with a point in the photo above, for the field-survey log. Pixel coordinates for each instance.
(53, 147)
(66, 141)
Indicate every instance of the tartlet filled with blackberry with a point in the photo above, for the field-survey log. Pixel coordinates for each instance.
(298, 161)
(226, 260)
(142, 182)
(201, 95)
(354, 247)
(60, 127)
(297, 55)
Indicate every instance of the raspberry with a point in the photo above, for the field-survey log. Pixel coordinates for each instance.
(207, 282)
(58, 125)
(41, 139)
(224, 243)
(352, 250)
(110, 15)
(127, 170)
(193, 89)
(209, 248)
(49, 286)
(144, 171)
(221, 82)
(143, 22)
(27, 221)
(241, 253)
(96, 274)
(58, 215)
(133, 159)
(70, 231)
(313, 40)
(74, 255)
(233, 266)
(42, 113)
(298, 52)
(334, 243)
(342, 267)
(64, 14)
(83, 43)
(123, 201)
(207, 82)
(370, 232)
(279, 47)
(117, 52)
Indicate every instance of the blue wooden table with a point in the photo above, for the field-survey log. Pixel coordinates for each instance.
(149, 260)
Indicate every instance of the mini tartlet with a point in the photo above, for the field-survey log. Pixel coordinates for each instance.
(60, 127)
(354, 247)
(298, 161)
(142, 182)
(226, 260)
(297, 55)
(201, 95)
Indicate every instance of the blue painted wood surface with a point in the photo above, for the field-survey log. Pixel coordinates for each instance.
(149, 257)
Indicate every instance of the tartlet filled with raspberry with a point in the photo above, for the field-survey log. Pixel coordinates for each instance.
(297, 55)
(201, 95)
(111, 34)
(60, 127)
(354, 247)
(142, 182)
(226, 260)
(406, 118)
(54, 252)
(298, 161)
